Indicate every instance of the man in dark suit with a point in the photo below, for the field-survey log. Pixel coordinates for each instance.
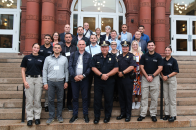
(79, 69)
(80, 36)
(141, 43)
(67, 30)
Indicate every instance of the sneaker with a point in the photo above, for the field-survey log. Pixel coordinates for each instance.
(49, 121)
(133, 105)
(60, 119)
(137, 105)
(70, 108)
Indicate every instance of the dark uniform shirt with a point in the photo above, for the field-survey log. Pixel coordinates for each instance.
(45, 51)
(66, 49)
(151, 62)
(33, 64)
(104, 65)
(170, 66)
(126, 61)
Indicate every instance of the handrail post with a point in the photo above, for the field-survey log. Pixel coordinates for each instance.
(23, 105)
(161, 100)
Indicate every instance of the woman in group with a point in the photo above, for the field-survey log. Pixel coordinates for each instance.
(56, 39)
(107, 36)
(98, 35)
(135, 49)
(31, 68)
(115, 52)
(168, 74)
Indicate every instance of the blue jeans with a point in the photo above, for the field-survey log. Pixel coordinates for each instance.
(57, 87)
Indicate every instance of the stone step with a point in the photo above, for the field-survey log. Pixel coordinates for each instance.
(10, 55)
(11, 87)
(185, 58)
(17, 103)
(11, 60)
(18, 87)
(186, 66)
(15, 114)
(187, 70)
(186, 75)
(10, 75)
(182, 123)
(10, 70)
(11, 81)
(10, 64)
(19, 80)
(19, 94)
(186, 62)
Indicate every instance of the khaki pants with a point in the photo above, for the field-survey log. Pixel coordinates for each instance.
(33, 98)
(153, 87)
(169, 92)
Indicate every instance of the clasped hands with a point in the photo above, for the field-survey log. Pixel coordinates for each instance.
(78, 78)
(149, 78)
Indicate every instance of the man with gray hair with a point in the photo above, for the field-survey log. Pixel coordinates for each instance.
(87, 31)
(55, 78)
(66, 30)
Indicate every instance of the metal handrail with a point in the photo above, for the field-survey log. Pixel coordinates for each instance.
(161, 99)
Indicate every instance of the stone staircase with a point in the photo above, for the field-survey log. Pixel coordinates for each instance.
(11, 102)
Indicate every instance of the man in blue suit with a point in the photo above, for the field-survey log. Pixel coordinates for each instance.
(67, 30)
(79, 69)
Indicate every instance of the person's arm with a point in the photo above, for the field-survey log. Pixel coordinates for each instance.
(96, 71)
(113, 71)
(89, 65)
(143, 71)
(71, 69)
(24, 77)
(160, 68)
(66, 70)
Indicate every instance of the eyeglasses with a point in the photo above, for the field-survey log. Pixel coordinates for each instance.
(56, 35)
(46, 38)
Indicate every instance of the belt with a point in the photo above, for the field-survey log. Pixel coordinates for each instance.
(34, 76)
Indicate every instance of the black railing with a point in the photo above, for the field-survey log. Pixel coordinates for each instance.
(23, 105)
(161, 99)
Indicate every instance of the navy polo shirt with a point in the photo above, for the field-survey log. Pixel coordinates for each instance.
(104, 65)
(33, 64)
(151, 62)
(170, 66)
(45, 51)
(126, 61)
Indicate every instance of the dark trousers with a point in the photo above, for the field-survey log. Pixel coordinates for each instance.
(57, 87)
(116, 86)
(125, 90)
(91, 75)
(69, 95)
(106, 88)
(76, 86)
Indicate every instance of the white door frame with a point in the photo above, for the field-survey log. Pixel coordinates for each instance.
(189, 36)
(15, 31)
(79, 13)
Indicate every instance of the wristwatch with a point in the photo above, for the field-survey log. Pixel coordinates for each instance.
(123, 73)
(167, 76)
(100, 75)
(152, 75)
(84, 75)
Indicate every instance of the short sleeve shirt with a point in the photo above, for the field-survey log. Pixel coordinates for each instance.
(126, 61)
(45, 51)
(104, 65)
(33, 64)
(170, 66)
(151, 62)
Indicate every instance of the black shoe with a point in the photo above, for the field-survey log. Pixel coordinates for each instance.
(172, 118)
(106, 119)
(140, 118)
(29, 123)
(37, 121)
(154, 119)
(46, 109)
(120, 117)
(128, 118)
(70, 108)
(74, 118)
(96, 120)
(166, 117)
(86, 119)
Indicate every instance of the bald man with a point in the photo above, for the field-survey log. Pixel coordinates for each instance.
(66, 30)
